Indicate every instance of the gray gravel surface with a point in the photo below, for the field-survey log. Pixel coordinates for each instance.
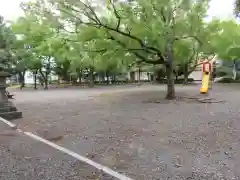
(25, 159)
(121, 129)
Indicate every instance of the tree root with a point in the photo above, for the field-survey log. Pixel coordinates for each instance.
(210, 101)
(203, 100)
(206, 100)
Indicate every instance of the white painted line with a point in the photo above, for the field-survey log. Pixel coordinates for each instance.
(8, 123)
(79, 157)
(71, 153)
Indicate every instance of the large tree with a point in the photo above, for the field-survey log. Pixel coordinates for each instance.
(37, 38)
(146, 29)
(226, 43)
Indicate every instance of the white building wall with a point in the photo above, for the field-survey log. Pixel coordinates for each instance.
(29, 79)
(143, 76)
(196, 75)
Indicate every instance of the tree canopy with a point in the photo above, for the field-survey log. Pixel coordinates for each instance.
(237, 8)
(6, 39)
(141, 31)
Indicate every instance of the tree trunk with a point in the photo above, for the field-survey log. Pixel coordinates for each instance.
(48, 71)
(107, 75)
(169, 71)
(35, 79)
(170, 82)
(22, 79)
(154, 74)
(175, 72)
(113, 78)
(80, 77)
(234, 70)
(58, 80)
(50, 80)
(139, 74)
(186, 74)
(45, 79)
(91, 78)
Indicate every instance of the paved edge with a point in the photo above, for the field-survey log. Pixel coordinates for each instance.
(98, 166)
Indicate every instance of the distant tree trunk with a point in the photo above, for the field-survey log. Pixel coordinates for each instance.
(44, 78)
(80, 76)
(234, 70)
(50, 80)
(102, 77)
(169, 72)
(139, 74)
(47, 72)
(91, 77)
(35, 78)
(46, 81)
(170, 82)
(154, 74)
(58, 80)
(114, 78)
(22, 79)
(175, 72)
(185, 73)
(107, 76)
(40, 79)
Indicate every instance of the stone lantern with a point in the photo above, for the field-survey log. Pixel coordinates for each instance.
(7, 110)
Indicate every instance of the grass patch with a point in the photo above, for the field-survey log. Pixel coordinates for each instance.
(107, 94)
(14, 86)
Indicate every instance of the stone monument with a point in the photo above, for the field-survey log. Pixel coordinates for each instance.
(7, 110)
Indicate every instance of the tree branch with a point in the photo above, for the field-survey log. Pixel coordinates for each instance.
(142, 44)
(70, 32)
(125, 46)
(193, 66)
(78, 20)
(69, 40)
(116, 14)
(187, 37)
(134, 51)
(97, 50)
(163, 16)
(198, 64)
(92, 10)
(97, 23)
(70, 7)
(144, 60)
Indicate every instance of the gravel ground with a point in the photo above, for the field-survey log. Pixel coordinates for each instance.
(25, 159)
(120, 128)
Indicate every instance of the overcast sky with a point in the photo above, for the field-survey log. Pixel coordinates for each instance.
(219, 8)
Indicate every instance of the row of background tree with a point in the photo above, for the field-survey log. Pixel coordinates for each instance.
(110, 37)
